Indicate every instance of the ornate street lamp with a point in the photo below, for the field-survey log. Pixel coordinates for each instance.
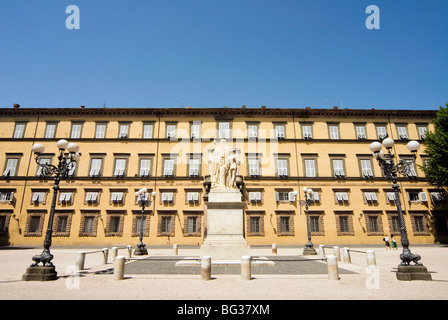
(309, 247)
(391, 170)
(143, 201)
(60, 171)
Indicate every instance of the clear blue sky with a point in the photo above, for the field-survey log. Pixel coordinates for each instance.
(215, 53)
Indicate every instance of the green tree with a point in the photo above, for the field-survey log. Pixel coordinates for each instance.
(436, 143)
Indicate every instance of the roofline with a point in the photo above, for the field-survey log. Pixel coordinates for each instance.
(220, 112)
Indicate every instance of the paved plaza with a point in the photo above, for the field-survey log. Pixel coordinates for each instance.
(156, 276)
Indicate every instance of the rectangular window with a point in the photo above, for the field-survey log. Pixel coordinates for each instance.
(314, 224)
(334, 131)
(344, 224)
(166, 225)
(145, 167)
(100, 130)
(366, 168)
(360, 132)
(19, 130)
(92, 197)
(310, 168)
(123, 130)
(170, 131)
(381, 131)
(252, 131)
(34, 224)
(419, 224)
(50, 130)
(148, 129)
(373, 224)
(402, 131)
(88, 224)
(254, 167)
(395, 224)
(192, 224)
(307, 131)
(255, 224)
(422, 130)
(65, 197)
(255, 196)
(6, 196)
(117, 197)
(71, 167)
(95, 167)
(370, 197)
(193, 196)
(341, 196)
(11, 167)
(195, 130)
(194, 166)
(120, 167)
(114, 225)
(167, 196)
(282, 167)
(284, 196)
(280, 132)
(38, 197)
(224, 130)
(168, 167)
(284, 224)
(338, 168)
(76, 131)
(62, 224)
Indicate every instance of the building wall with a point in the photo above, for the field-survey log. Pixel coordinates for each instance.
(272, 220)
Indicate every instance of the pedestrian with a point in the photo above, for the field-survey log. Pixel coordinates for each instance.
(386, 242)
(394, 243)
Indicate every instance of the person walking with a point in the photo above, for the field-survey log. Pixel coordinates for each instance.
(393, 242)
(386, 242)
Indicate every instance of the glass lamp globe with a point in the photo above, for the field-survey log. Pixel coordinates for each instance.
(375, 147)
(73, 147)
(154, 193)
(413, 146)
(62, 144)
(388, 143)
(310, 191)
(38, 148)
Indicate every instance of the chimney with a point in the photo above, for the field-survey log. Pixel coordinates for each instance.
(82, 107)
(16, 106)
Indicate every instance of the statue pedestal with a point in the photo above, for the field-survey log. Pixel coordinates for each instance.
(225, 226)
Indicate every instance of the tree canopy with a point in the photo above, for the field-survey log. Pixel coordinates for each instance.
(436, 143)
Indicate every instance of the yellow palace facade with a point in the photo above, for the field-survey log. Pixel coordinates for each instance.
(168, 151)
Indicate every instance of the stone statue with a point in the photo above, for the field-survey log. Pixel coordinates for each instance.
(224, 167)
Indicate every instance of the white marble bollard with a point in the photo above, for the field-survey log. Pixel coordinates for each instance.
(346, 255)
(337, 253)
(129, 252)
(321, 251)
(175, 249)
(371, 260)
(113, 253)
(274, 248)
(119, 268)
(105, 255)
(206, 268)
(332, 265)
(246, 268)
(80, 260)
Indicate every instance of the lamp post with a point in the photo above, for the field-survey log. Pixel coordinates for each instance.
(391, 170)
(309, 247)
(142, 198)
(60, 171)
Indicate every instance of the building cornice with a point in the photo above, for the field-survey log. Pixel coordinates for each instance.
(298, 113)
